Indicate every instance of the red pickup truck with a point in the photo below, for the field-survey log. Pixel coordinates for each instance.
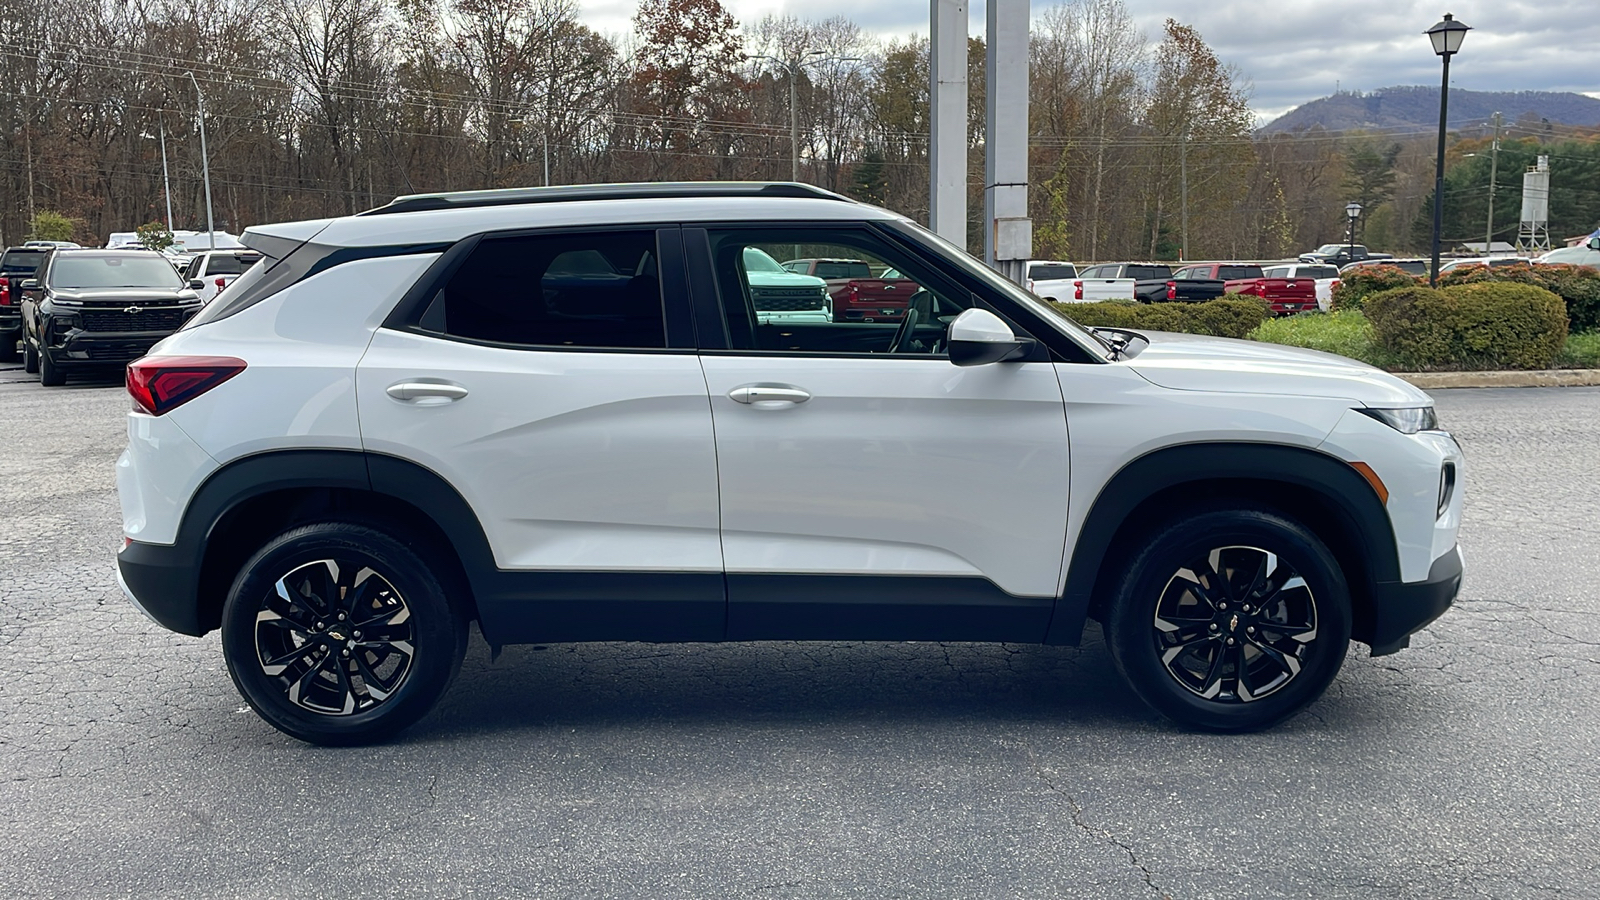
(857, 295)
(1284, 295)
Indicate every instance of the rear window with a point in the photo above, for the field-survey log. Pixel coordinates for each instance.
(843, 270)
(1137, 272)
(1317, 272)
(1228, 273)
(1049, 272)
(20, 262)
(232, 264)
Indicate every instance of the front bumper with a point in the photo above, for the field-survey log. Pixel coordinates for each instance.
(1400, 610)
(96, 348)
(160, 579)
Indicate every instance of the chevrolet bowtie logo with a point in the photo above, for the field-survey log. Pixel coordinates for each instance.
(132, 309)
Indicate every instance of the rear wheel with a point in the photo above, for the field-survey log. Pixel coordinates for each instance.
(337, 633)
(50, 374)
(1230, 620)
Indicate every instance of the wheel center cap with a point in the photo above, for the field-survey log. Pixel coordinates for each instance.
(337, 633)
(1233, 623)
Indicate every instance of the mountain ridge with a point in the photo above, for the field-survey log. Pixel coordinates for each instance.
(1408, 107)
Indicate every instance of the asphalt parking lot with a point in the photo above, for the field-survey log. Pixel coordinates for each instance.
(1467, 766)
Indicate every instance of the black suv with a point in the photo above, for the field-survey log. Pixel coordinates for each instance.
(98, 308)
(16, 265)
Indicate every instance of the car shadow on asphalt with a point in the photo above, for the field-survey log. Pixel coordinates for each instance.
(780, 682)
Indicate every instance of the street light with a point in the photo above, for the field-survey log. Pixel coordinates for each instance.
(166, 183)
(205, 162)
(792, 67)
(1446, 37)
(1352, 211)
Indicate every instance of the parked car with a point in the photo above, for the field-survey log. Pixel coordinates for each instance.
(1581, 255)
(1205, 281)
(1122, 281)
(1052, 279)
(1324, 277)
(17, 265)
(52, 245)
(1341, 254)
(1413, 266)
(1491, 261)
(87, 309)
(212, 270)
(780, 295)
(654, 462)
(858, 295)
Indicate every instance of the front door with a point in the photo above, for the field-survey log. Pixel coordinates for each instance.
(543, 382)
(870, 489)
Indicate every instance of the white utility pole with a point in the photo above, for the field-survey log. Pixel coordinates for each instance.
(205, 162)
(1494, 166)
(947, 148)
(1008, 240)
(166, 183)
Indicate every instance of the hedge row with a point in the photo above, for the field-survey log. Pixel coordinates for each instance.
(1579, 286)
(1233, 317)
(1488, 325)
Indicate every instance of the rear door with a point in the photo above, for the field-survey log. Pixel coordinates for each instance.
(550, 377)
(869, 488)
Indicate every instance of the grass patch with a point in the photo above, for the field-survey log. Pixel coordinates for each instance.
(1347, 333)
(1581, 352)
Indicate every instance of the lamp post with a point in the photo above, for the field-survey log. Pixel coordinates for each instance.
(205, 162)
(166, 183)
(792, 67)
(1352, 211)
(1446, 37)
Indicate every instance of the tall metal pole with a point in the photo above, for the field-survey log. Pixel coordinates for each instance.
(1494, 165)
(1008, 235)
(1438, 173)
(205, 161)
(794, 121)
(546, 135)
(947, 150)
(166, 183)
(1183, 178)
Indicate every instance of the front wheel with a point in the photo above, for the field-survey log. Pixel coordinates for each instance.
(50, 374)
(30, 357)
(337, 633)
(1230, 620)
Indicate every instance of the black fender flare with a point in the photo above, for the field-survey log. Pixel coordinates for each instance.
(1360, 521)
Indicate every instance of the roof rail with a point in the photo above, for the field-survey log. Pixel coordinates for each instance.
(576, 192)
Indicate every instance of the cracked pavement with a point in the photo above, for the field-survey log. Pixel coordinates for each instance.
(1464, 767)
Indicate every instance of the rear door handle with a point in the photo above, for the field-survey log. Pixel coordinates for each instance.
(768, 393)
(426, 393)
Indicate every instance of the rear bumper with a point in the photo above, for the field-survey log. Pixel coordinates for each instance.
(1401, 610)
(160, 580)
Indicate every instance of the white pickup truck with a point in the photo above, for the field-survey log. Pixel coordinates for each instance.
(1113, 281)
(1051, 279)
(212, 270)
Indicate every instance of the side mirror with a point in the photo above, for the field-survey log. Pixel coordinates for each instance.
(30, 284)
(197, 284)
(1594, 243)
(978, 337)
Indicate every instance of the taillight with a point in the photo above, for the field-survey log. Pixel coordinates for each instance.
(1030, 285)
(1172, 290)
(221, 283)
(1077, 290)
(160, 384)
(5, 292)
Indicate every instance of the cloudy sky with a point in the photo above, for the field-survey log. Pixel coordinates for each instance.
(1294, 50)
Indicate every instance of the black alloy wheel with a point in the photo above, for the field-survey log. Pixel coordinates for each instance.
(336, 633)
(1231, 620)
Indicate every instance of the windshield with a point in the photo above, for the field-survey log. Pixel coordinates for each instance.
(756, 260)
(113, 272)
(962, 259)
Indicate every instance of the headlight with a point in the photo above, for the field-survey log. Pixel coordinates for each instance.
(1409, 420)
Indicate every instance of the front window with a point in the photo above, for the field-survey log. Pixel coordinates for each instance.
(74, 271)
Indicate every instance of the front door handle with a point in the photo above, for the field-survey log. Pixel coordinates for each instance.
(426, 393)
(768, 394)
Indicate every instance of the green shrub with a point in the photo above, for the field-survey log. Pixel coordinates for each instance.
(1345, 332)
(1579, 286)
(1499, 325)
(1361, 282)
(48, 225)
(1581, 352)
(1233, 317)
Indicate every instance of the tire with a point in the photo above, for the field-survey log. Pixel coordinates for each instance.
(30, 357)
(50, 374)
(288, 657)
(1205, 651)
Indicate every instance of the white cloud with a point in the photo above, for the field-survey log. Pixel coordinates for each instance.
(1292, 50)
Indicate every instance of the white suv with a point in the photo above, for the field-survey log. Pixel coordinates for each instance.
(415, 417)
